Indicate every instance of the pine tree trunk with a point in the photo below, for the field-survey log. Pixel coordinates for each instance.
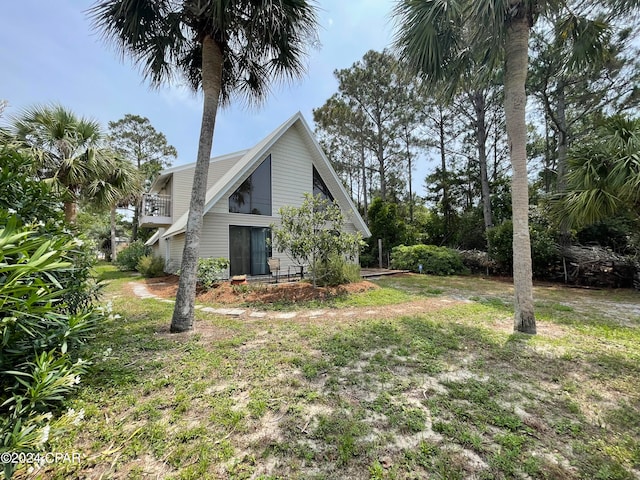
(479, 105)
(382, 169)
(561, 116)
(183, 313)
(446, 208)
(517, 59)
(363, 168)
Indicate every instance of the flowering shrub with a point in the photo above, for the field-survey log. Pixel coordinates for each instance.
(46, 311)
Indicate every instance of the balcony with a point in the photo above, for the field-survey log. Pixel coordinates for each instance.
(156, 210)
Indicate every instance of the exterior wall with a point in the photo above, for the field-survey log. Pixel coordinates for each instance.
(166, 189)
(173, 247)
(214, 241)
(182, 181)
(291, 175)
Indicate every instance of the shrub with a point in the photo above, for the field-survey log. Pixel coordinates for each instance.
(129, 257)
(313, 233)
(151, 266)
(434, 260)
(544, 250)
(38, 354)
(336, 271)
(47, 291)
(211, 271)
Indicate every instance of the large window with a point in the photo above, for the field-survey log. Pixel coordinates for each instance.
(254, 195)
(319, 187)
(249, 250)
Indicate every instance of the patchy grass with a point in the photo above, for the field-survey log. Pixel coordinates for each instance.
(450, 393)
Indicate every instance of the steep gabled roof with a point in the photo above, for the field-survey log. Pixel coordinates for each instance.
(251, 158)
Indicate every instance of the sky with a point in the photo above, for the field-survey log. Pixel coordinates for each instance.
(50, 54)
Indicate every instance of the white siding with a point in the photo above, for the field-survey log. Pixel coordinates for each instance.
(291, 177)
(291, 170)
(183, 182)
(176, 245)
(291, 174)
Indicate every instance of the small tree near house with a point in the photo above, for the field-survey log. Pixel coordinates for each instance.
(313, 235)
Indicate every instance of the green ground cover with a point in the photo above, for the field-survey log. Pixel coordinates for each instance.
(448, 393)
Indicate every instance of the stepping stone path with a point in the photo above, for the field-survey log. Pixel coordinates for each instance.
(140, 290)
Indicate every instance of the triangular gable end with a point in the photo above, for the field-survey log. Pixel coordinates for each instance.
(256, 155)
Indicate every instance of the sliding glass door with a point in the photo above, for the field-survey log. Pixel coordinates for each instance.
(249, 250)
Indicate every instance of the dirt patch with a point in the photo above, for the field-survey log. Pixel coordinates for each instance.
(227, 294)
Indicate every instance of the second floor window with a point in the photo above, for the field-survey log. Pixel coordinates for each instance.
(254, 195)
(319, 187)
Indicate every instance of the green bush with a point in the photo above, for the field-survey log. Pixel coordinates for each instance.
(47, 295)
(544, 249)
(434, 260)
(336, 271)
(39, 336)
(151, 266)
(211, 271)
(129, 257)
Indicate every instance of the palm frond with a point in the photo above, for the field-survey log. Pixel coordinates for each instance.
(431, 35)
(149, 31)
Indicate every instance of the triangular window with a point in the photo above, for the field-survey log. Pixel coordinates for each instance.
(254, 195)
(319, 187)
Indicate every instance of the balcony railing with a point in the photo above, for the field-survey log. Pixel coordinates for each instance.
(156, 209)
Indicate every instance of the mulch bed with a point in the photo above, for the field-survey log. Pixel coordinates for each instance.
(225, 293)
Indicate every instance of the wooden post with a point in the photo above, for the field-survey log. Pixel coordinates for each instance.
(380, 252)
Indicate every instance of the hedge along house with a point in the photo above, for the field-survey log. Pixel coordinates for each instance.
(245, 191)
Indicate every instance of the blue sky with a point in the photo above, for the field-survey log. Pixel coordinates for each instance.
(49, 53)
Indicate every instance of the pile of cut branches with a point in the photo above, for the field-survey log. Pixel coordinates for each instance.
(597, 266)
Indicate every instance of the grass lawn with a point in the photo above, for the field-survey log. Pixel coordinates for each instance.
(446, 393)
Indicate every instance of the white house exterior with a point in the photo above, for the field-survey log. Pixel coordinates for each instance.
(245, 191)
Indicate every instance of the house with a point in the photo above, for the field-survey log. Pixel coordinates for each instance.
(245, 191)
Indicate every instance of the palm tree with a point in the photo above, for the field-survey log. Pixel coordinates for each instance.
(225, 48)
(68, 149)
(441, 38)
(604, 174)
(123, 185)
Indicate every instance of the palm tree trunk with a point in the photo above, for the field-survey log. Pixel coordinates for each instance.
(113, 233)
(71, 212)
(183, 313)
(517, 59)
(136, 221)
